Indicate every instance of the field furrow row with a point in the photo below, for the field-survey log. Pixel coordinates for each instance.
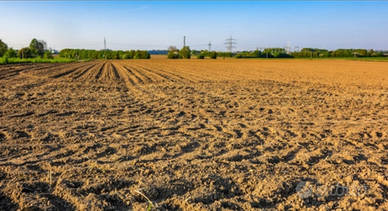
(193, 134)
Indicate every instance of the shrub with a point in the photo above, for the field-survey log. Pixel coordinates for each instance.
(11, 53)
(238, 56)
(200, 56)
(5, 60)
(24, 53)
(213, 55)
(47, 55)
(145, 55)
(173, 55)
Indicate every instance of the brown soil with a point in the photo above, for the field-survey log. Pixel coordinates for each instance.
(194, 135)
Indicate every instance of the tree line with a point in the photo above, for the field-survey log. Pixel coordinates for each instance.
(185, 52)
(309, 53)
(36, 49)
(323, 53)
(83, 54)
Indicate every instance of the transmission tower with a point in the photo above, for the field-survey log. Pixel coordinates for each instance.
(210, 46)
(229, 43)
(288, 49)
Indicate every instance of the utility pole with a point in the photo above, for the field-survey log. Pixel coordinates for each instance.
(104, 44)
(210, 46)
(229, 43)
(104, 48)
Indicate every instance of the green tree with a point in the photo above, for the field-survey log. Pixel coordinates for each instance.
(213, 55)
(24, 53)
(256, 54)
(173, 53)
(137, 55)
(124, 56)
(3, 48)
(11, 53)
(47, 55)
(185, 52)
(64, 53)
(200, 56)
(146, 55)
(36, 47)
(132, 54)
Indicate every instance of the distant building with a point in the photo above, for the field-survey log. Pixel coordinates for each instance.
(53, 51)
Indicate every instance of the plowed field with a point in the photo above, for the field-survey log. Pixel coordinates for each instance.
(194, 135)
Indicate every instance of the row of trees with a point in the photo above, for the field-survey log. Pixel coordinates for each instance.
(103, 54)
(36, 49)
(308, 53)
(210, 54)
(175, 53)
(186, 53)
(266, 53)
(319, 53)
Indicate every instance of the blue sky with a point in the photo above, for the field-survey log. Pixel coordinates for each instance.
(150, 25)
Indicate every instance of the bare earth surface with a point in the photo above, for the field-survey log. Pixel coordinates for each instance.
(194, 135)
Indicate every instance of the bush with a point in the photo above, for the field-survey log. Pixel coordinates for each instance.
(173, 55)
(213, 55)
(24, 53)
(47, 55)
(239, 56)
(145, 55)
(282, 55)
(5, 61)
(200, 56)
(11, 53)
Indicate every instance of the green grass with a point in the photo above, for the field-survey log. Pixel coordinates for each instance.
(376, 59)
(150, 204)
(372, 59)
(4, 60)
(350, 58)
